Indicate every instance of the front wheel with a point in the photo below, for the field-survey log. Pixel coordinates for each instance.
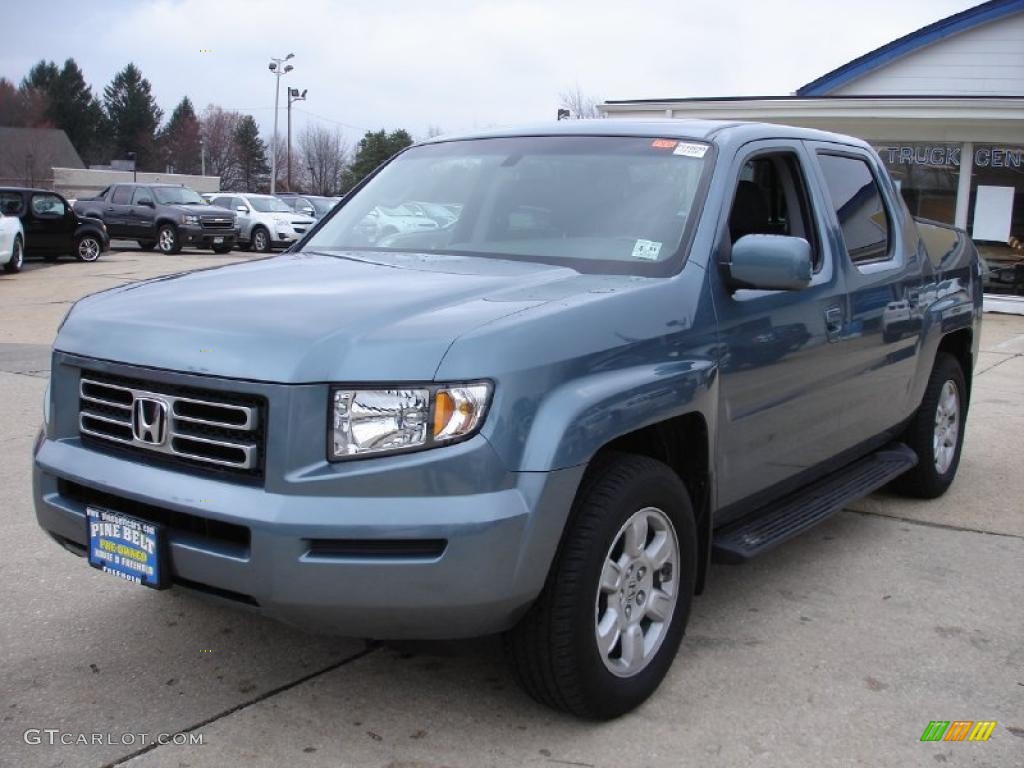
(167, 240)
(936, 432)
(606, 628)
(88, 248)
(17, 257)
(260, 240)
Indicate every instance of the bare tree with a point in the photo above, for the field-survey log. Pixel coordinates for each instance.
(581, 106)
(218, 128)
(324, 156)
(434, 130)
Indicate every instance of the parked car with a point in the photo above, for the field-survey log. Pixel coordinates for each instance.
(51, 226)
(638, 346)
(315, 206)
(163, 216)
(12, 242)
(264, 221)
(384, 221)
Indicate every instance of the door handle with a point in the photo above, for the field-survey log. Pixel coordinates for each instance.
(833, 323)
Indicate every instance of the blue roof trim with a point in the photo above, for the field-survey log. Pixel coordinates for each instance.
(951, 25)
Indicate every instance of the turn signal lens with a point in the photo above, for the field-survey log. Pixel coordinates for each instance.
(458, 411)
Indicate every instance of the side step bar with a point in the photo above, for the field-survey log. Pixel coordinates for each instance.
(781, 520)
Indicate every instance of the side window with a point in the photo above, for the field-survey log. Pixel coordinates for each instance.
(142, 193)
(771, 199)
(859, 207)
(48, 205)
(122, 195)
(11, 203)
(221, 202)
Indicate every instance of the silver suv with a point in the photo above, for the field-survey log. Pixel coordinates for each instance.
(264, 221)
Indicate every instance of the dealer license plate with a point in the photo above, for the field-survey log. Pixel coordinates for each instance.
(126, 547)
(218, 240)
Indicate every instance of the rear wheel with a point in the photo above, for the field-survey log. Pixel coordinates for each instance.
(167, 239)
(17, 257)
(607, 626)
(936, 432)
(88, 248)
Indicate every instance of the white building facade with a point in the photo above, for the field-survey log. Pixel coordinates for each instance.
(944, 107)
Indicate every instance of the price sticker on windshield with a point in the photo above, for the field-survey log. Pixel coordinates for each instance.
(690, 150)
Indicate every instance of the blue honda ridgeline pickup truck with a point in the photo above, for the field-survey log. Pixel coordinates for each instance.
(608, 352)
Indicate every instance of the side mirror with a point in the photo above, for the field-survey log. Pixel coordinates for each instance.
(241, 209)
(771, 263)
(145, 201)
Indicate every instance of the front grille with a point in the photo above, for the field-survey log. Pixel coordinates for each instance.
(217, 222)
(220, 535)
(200, 428)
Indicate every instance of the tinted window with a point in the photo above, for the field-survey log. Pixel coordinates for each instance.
(47, 205)
(10, 203)
(223, 202)
(176, 196)
(859, 207)
(122, 195)
(142, 193)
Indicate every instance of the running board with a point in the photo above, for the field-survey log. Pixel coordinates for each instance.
(771, 525)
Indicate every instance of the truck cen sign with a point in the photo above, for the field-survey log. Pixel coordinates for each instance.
(948, 155)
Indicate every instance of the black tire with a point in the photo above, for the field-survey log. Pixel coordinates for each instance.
(553, 651)
(222, 249)
(17, 257)
(259, 241)
(167, 240)
(926, 480)
(147, 245)
(88, 248)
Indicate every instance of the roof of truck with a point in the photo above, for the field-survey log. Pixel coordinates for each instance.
(700, 130)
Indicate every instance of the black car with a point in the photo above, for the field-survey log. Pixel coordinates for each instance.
(164, 216)
(52, 228)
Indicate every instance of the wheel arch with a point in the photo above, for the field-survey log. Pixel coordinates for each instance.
(960, 344)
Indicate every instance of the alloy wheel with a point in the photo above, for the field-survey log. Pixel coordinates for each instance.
(88, 249)
(638, 592)
(947, 427)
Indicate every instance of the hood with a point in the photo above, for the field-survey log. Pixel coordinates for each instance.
(310, 317)
(203, 208)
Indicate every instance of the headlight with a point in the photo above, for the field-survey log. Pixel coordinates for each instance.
(375, 421)
(187, 218)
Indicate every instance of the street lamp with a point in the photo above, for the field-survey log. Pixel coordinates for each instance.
(278, 68)
(202, 156)
(293, 96)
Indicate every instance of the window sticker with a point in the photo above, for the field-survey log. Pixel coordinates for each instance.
(646, 250)
(690, 150)
(664, 144)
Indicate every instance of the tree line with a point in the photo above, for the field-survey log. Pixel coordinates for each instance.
(126, 119)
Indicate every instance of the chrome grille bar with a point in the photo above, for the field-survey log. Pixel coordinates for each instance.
(192, 424)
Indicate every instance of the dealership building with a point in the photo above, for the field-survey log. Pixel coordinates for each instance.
(944, 107)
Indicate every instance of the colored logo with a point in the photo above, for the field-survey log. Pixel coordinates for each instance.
(958, 730)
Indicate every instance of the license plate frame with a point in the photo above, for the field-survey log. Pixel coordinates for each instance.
(127, 547)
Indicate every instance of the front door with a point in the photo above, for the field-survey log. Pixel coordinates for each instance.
(50, 224)
(117, 211)
(781, 359)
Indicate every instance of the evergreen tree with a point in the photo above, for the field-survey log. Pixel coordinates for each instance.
(134, 117)
(251, 155)
(375, 148)
(180, 139)
(73, 108)
(41, 76)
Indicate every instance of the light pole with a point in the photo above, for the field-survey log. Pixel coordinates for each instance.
(293, 96)
(278, 67)
(202, 156)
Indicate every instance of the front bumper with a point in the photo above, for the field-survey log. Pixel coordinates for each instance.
(198, 237)
(306, 545)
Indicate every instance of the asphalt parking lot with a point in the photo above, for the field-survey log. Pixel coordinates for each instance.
(836, 649)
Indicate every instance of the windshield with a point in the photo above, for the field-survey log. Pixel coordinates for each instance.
(595, 203)
(176, 196)
(269, 205)
(323, 205)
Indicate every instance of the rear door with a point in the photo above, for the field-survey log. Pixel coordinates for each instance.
(883, 277)
(781, 361)
(117, 211)
(142, 220)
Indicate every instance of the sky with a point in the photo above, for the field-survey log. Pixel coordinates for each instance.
(452, 65)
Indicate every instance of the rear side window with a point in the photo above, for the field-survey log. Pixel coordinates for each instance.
(10, 203)
(859, 207)
(122, 195)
